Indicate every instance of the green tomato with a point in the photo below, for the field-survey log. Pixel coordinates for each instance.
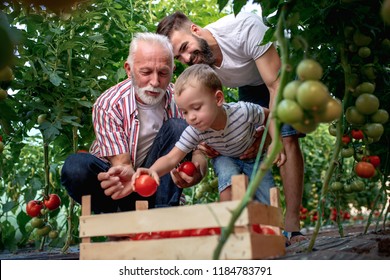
(367, 104)
(37, 222)
(43, 231)
(309, 69)
(354, 117)
(336, 186)
(357, 185)
(312, 95)
(373, 130)
(333, 110)
(347, 152)
(291, 89)
(289, 111)
(381, 116)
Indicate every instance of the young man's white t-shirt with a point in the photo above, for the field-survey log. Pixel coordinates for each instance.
(239, 38)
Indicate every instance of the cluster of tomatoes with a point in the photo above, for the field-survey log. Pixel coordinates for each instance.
(306, 101)
(344, 215)
(194, 232)
(37, 209)
(146, 186)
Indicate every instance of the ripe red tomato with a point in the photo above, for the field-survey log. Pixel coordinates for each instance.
(357, 134)
(257, 228)
(187, 167)
(364, 169)
(346, 139)
(52, 202)
(267, 230)
(34, 208)
(145, 185)
(374, 160)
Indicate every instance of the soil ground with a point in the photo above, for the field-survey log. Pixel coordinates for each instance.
(375, 245)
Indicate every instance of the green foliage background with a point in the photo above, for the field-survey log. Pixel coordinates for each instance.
(64, 60)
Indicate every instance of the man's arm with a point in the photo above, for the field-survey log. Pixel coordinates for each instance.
(269, 65)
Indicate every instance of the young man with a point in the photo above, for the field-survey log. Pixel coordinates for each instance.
(228, 128)
(135, 122)
(232, 46)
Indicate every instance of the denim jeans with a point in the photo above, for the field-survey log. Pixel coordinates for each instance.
(79, 175)
(225, 167)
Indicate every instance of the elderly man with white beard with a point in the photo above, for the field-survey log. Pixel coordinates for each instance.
(135, 122)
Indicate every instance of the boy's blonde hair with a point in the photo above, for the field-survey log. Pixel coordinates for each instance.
(200, 73)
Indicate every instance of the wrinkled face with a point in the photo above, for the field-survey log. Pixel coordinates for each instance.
(151, 72)
(190, 49)
(200, 106)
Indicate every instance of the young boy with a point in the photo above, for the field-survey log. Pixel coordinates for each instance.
(229, 128)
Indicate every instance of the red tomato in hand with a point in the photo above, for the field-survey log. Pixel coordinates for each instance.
(34, 208)
(187, 167)
(145, 185)
(357, 134)
(364, 169)
(52, 202)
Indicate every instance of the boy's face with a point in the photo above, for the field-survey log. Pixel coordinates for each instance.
(201, 107)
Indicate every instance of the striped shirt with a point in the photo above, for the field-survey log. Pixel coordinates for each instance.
(115, 120)
(242, 120)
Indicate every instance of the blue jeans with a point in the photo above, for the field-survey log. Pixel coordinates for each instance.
(79, 175)
(225, 167)
(260, 95)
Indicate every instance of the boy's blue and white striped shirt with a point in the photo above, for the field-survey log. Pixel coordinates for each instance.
(242, 120)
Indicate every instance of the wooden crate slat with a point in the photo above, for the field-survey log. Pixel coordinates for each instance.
(264, 214)
(268, 246)
(160, 219)
(186, 248)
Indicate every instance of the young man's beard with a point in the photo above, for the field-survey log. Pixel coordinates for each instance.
(205, 54)
(145, 98)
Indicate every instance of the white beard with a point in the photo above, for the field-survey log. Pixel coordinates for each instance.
(147, 99)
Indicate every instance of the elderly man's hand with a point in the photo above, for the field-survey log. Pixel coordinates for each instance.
(116, 182)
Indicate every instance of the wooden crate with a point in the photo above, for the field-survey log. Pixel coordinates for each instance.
(242, 244)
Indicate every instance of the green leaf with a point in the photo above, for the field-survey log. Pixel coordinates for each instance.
(8, 206)
(55, 79)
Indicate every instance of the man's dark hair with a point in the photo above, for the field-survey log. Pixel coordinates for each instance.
(173, 22)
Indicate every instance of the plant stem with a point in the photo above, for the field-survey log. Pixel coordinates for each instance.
(336, 151)
(276, 147)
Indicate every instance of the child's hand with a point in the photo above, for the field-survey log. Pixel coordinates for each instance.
(142, 170)
(208, 151)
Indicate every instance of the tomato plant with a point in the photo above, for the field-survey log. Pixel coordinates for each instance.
(34, 207)
(52, 202)
(145, 185)
(187, 167)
